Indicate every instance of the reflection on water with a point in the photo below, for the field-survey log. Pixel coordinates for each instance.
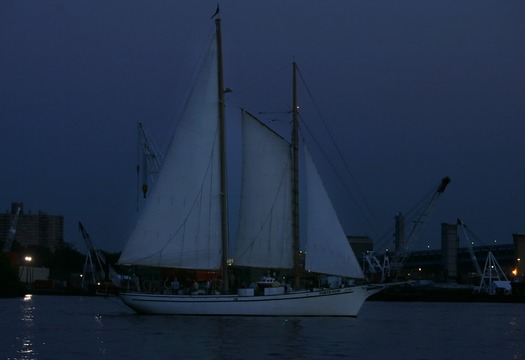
(27, 349)
(100, 334)
(515, 338)
(54, 327)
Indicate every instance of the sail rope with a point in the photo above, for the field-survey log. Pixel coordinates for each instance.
(175, 111)
(369, 220)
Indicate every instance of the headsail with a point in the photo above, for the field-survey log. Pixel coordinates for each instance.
(327, 249)
(265, 225)
(180, 225)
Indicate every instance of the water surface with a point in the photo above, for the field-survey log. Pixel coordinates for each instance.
(71, 327)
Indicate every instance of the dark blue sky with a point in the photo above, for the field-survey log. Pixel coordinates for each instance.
(411, 90)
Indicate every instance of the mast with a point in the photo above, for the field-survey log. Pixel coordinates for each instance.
(224, 203)
(295, 192)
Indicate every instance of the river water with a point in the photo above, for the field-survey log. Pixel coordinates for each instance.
(71, 327)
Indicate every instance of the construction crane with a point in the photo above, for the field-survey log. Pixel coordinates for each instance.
(8, 243)
(104, 271)
(402, 253)
(151, 158)
(492, 277)
(470, 248)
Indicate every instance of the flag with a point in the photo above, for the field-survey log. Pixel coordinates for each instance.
(216, 12)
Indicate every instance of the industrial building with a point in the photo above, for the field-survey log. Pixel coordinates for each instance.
(454, 263)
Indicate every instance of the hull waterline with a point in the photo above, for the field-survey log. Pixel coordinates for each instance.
(330, 302)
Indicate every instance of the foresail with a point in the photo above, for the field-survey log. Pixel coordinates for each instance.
(180, 225)
(327, 250)
(265, 224)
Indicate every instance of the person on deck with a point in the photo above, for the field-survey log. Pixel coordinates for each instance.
(175, 286)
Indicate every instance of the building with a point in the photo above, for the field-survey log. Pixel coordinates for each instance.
(449, 249)
(40, 229)
(360, 245)
(464, 264)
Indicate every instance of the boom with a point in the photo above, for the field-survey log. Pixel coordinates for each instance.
(470, 248)
(12, 229)
(402, 252)
(151, 158)
(95, 254)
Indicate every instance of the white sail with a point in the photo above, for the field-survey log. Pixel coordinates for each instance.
(327, 250)
(180, 225)
(265, 224)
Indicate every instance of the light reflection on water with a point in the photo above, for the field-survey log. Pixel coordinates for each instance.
(70, 327)
(100, 334)
(27, 309)
(515, 338)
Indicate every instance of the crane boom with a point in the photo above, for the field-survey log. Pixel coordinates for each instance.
(470, 248)
(151, 158)
(402, 253)
(12, 229)
(103, 265)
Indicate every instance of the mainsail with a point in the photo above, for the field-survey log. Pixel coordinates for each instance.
(265, 224)
(180, 225)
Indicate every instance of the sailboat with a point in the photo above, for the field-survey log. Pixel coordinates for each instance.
(184, 223)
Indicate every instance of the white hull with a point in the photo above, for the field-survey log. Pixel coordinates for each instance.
(329, 302)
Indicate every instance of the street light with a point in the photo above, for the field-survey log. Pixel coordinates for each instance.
(28, 260)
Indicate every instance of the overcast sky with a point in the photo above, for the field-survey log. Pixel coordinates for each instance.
(411, 91)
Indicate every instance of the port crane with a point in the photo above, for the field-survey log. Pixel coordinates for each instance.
(492, 276)
(463, 227)
(151, 158)
(8, 243)
(104, 272)
(392, 267)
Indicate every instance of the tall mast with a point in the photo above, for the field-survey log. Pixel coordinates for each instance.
(295, 146)
(222, 129)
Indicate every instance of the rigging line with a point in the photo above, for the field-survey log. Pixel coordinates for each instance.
(475, 236)
(255, 61)
(332, 166)
(283, 113)
(280, 119)
(138, 170)
(175, 113)
(336, 147)
(261, 69)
